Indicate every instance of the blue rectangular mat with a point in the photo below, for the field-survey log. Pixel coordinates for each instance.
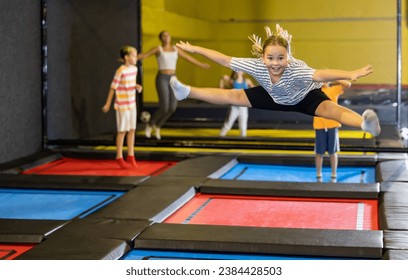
(51, 204)
(289, 173)
(136, 254)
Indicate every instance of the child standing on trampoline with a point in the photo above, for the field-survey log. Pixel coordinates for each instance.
(236, 80)
(286, 83)
(124, 88)
(326, 132)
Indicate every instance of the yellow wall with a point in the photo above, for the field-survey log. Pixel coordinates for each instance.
(326, 34)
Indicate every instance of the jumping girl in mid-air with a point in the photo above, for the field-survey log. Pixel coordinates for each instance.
(286, 83)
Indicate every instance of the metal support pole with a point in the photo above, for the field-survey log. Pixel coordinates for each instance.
(44, 71)
(139, 63)
(399, 64)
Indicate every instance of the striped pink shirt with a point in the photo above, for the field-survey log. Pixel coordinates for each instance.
(124, 84)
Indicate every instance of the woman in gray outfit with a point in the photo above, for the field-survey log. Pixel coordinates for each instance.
(166, 55)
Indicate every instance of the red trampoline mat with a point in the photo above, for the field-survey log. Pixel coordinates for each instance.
(278, 212)
(73, 166)
(11, 251)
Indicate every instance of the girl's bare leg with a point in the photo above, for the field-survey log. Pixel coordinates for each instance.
(130, 139)
(343, 115)
(220, 96)
(333, 164)
(211, 95)
(368, 122)
(120, 136)
(319, 164)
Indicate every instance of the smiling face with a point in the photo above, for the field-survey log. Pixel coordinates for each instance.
(275, 58)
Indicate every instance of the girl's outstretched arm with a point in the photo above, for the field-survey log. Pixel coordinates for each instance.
(215, 56)
(327, 75)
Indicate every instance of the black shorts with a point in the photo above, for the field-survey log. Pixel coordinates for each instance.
(260, 99)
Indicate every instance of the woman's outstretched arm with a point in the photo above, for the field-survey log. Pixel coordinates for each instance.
(192, 60)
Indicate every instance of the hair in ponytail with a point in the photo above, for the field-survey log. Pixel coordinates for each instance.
(281, 37)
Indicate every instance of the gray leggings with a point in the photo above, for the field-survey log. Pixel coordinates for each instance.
(167, 101)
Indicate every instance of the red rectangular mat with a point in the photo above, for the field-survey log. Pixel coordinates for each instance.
(97, 167)
(278, 212)
(11, 251)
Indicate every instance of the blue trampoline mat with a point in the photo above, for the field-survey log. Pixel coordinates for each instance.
(40, 204)
(137, 254)
(295, 173)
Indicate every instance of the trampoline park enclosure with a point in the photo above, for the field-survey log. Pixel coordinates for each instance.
(177, 205)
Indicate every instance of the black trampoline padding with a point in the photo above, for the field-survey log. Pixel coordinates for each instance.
(154, 203)
(310, 242)
(18, 165)
(291, 189)
(77, 248)
(114, 183)
(392, 170)
(395, 255)
(125, 230)
(174, 181)
(396, 187)
(396, 239)
(27, 231)
(200, 166)
(393, 206)
(88, 239)
(393, 210)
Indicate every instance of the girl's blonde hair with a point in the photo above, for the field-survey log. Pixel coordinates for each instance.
(281, 37)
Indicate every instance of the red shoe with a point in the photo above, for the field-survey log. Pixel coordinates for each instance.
(122, 163)
(132, 161)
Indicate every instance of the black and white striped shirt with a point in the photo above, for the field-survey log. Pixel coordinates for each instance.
(295, 83)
